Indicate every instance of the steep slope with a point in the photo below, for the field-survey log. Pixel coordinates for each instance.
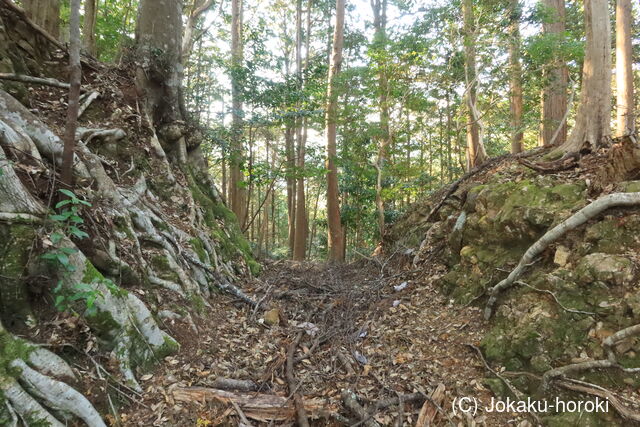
(138, 239)
(571, 298)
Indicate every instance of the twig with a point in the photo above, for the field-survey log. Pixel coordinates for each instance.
(506, 382)
(545, 291)
(241, 414)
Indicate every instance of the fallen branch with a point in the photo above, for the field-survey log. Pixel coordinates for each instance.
(257, 406)
(233, 384)
(431, 407)
(21, 78)
(86, 102)
(574, 221)
(298, 401)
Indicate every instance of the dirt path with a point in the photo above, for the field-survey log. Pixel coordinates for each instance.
(365, 334)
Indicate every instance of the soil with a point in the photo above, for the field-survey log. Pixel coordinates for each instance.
(396, 343)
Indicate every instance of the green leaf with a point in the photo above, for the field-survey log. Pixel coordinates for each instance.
(62, 203)
(67, 193)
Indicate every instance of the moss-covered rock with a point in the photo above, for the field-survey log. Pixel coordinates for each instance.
(600, 267)
(222, 223)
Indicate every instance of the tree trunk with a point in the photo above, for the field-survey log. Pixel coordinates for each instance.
(197, 9)
(44, 13)
(237, 192)
(554, 94)
(593, 128)
(302, 227)
(625, 123)
(379, 8)
(476, 154)
(515, 72)
(291, 186)
(336, 241)
(159, 71)
(89, 27)
(66, 172)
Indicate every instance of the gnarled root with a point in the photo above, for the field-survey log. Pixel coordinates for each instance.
(38, 378)
(574, 221)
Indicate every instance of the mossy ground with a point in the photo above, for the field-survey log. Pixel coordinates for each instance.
(531, 331)
(223, 225)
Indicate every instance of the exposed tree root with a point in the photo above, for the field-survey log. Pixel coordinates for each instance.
(569, 161)
(122, 322)
(478, 169)
(595, 390)
(621, 335)
(574, 221)
(57, 395)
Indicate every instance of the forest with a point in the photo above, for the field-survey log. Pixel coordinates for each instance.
(312, 212)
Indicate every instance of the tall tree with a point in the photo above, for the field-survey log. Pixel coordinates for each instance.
(625, 123)
(89, 27)
(476, 153)
(237, 190)
(302, 228)
(74, 94)
(159, 71)
(554, 95)
(515, 74)
(593, 121)
(336, 239)
(379, 8)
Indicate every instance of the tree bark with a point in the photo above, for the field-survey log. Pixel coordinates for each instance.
(476, 154)
(593, 128)
(302, 227)
(625, 123)
(336, 241)
(291, 186)
(515, 72)
(44, 13)
(89, 27)
(159, 71)
(554, 94)
(379, 8)
(66, 172)
(237, 191)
